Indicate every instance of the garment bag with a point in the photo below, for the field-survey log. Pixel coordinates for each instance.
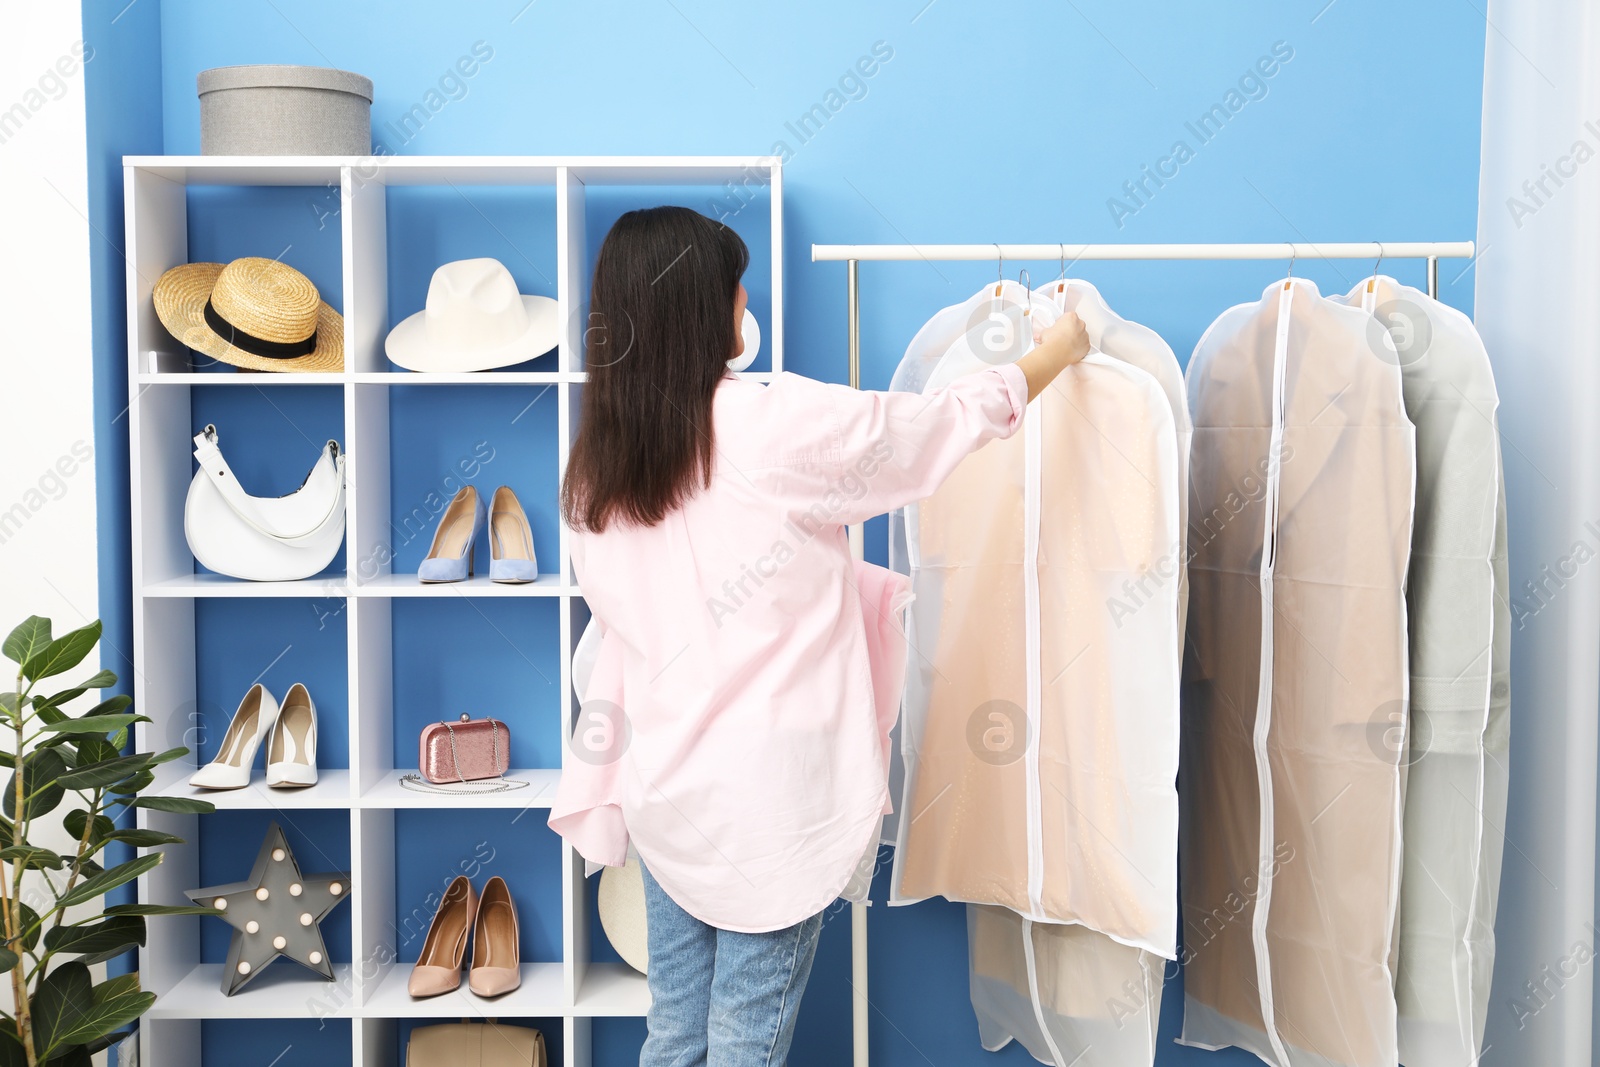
(979, 765)
(1141, 347)
(1069, 994)
(1459, 644)
(1300, 530)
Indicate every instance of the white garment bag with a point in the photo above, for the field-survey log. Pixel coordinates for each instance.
(1040, 722)
(1460, 640)
(1303, 476)
(1067, 993)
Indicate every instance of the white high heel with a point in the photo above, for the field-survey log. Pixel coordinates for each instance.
(231, 768)
(292, 752)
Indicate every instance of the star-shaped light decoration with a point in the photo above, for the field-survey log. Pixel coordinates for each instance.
(277, 912)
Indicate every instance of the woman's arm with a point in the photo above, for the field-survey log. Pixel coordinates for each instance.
(895, 448)
(1060, 345)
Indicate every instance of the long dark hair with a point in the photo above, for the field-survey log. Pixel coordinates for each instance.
(657, 340)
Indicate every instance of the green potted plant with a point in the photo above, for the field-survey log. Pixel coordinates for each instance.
(59, 1015)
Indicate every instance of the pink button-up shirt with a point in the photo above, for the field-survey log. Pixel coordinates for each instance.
(735, 726)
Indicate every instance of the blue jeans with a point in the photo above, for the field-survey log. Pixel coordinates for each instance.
(720, 998)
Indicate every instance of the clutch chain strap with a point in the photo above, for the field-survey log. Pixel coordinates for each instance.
(499, 784)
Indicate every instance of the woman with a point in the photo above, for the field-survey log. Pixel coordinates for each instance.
(709, 519)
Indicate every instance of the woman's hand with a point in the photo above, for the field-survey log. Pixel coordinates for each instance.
(1058, 347)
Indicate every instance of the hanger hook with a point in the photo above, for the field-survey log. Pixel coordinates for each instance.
(1063, 261)
(1372, 283)
(999, 264)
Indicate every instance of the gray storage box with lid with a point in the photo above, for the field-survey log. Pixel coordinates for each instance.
(273, 110)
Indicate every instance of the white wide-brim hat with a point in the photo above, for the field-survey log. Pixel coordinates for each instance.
(474, 320)
(620, 902)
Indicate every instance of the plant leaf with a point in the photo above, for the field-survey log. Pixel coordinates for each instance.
(143, 838)
(93, 749)
(72, 1056)
(62, 654)
(27, 639)
(94, 724)
(103, 827)
(39, 771)
(168, 756)
(64, 995)
(11, 1054)
(159, 909)
(115, 1003)
(182, 805)
(99, 942)
(8, 960)
(108, 880)
(106, 773)
(101, 680)
(111, 704)
(137, 784)
(33, 858)
(30, 924)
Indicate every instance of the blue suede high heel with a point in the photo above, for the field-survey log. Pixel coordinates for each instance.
(450, 558)
(511, 558)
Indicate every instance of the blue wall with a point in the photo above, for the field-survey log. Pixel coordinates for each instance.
(1015, 123)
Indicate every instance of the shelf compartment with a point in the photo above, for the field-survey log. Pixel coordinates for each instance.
(612, 989)
(540, 792)
(407, 585)
(538, 995)
(207, 584)
(260, 380)
(484, 377)
(284, 991)
(331, 791)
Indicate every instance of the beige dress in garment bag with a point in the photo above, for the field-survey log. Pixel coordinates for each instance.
(1303, 473)
(1070, 994)
(1460, 639)
(1016, 792)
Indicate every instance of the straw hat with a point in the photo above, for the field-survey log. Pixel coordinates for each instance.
(254, 313)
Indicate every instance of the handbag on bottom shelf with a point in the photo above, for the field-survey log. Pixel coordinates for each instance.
(468, 756)
(475, 1045)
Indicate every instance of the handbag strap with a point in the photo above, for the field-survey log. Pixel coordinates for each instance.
(210, 458)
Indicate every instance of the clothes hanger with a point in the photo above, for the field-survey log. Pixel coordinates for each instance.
(1288, 281)
(1372, 282)
(1061, 282)
(999, 272)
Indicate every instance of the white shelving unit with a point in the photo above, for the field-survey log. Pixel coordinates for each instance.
(370, 992)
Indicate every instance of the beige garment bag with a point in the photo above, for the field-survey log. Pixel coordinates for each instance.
(1300, 529)
(1041, 722)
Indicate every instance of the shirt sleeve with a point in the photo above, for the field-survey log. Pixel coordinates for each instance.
(897, 448)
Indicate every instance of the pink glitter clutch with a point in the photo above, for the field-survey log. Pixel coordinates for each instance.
(464, 751)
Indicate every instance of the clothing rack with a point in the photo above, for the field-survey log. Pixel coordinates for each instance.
(1067, 254)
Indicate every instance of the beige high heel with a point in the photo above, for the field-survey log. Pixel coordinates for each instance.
(496, 964)
(438, 968)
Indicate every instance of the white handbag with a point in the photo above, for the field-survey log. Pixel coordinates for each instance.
(263, 539)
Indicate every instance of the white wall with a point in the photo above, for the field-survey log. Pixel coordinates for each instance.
(47, 492)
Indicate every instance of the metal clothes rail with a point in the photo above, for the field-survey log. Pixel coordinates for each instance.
(1067, 254)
